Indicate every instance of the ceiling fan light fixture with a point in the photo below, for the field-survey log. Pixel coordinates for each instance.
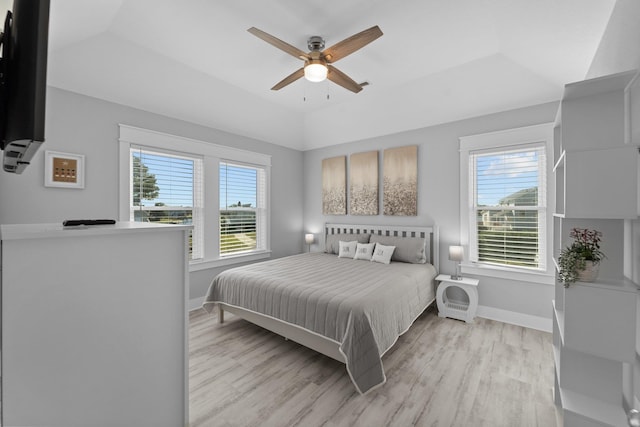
(315, 70)
(317, 60)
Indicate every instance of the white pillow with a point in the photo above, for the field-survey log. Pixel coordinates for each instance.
(382, 253)
(347, 249)
(364, 251)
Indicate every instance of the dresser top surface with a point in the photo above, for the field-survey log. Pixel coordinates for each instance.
(42, 231)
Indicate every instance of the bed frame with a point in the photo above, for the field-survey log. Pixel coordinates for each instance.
(312, 340)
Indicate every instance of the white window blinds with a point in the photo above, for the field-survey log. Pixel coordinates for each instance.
(242, 208)
(508, 205)
(167, 188)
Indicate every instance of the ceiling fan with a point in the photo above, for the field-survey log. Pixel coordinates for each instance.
(318, 62)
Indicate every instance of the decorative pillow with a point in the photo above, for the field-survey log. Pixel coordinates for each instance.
(331, 243)
(347, 249)
(408, 249)
(382, 253)
(364, 251)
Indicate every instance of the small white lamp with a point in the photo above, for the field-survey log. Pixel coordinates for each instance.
(308, 239)
(456, 253)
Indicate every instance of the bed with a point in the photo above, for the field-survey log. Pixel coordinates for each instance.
(351, 310)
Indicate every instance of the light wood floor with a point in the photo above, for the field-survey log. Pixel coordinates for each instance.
(442, 372)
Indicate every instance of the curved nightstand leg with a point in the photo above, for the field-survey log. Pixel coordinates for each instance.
(440, 295)
(472, 293)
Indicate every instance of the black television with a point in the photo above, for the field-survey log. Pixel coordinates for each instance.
(23, 82)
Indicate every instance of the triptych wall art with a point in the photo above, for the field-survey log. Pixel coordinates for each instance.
(334, 186)
(400, 186)
(363, 183)
(399, 183)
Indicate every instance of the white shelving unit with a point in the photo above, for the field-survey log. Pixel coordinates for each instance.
(632, 118)
(595, 325)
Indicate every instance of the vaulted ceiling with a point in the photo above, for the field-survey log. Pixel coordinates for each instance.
(438, 60)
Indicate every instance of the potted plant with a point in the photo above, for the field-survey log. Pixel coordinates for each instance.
(581, 259)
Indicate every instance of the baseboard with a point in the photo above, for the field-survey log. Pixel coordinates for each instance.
(515, 318)
(195, 303)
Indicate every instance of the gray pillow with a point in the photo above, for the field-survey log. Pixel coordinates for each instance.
(332, 241)
(408, 249)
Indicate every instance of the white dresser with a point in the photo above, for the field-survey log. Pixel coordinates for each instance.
(94, 325)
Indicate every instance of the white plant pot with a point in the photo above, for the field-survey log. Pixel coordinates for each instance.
(590, 272)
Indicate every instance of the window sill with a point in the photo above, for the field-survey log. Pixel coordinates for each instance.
(538, 277)
(229, 260)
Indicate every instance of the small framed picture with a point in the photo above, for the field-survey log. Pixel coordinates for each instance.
(63, 170)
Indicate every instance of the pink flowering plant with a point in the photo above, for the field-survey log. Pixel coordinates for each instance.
(585, 247)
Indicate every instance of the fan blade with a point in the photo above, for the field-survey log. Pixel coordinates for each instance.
(340, 78)
(289, 79)
(274, 41)
(351, 44)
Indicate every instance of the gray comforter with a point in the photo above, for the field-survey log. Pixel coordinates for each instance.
(365, 306)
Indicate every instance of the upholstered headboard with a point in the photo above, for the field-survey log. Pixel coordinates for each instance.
(429, 232)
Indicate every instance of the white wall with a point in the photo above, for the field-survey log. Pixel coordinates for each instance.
(438, 201)
(84, 125)
(619, 49)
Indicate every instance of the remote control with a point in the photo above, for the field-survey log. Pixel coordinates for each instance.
(74, 222)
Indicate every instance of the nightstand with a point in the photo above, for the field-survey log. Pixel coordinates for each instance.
(457, 309)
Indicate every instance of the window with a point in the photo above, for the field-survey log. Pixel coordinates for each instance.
(241, 208)
(508, 206)
(164, 189)
(222, 191)
(504, 211)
